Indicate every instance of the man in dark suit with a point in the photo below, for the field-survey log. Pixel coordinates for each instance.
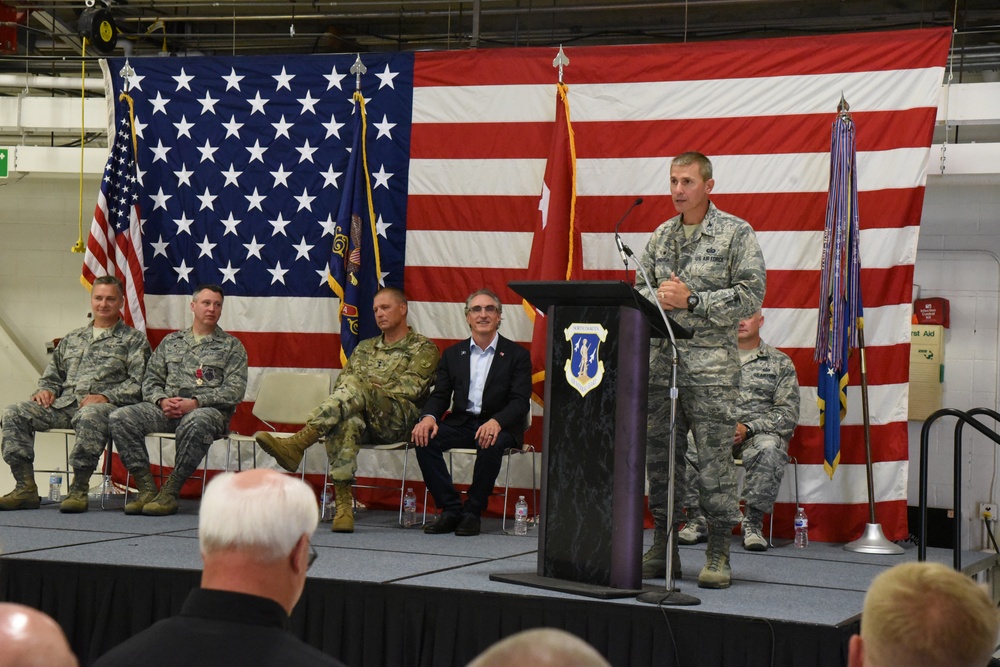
(486, 382)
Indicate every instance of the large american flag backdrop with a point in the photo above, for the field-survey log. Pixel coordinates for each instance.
(242, 163)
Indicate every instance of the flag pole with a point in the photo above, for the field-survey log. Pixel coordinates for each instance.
(873, 541)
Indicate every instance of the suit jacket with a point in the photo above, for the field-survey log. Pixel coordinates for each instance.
(506, 395)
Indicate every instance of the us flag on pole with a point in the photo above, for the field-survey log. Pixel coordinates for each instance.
(243, 162)
(114, 246)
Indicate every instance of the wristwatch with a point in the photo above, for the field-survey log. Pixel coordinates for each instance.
(693, 302)
(749, 432)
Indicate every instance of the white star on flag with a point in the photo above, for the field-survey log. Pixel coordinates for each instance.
(277, 274)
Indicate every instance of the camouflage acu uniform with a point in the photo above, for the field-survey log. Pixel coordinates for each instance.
(112, 366)
(219, 362)
(769, 404)
(377, 397)
(722, 264)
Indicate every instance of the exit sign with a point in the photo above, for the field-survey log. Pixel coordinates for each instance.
(4, 153)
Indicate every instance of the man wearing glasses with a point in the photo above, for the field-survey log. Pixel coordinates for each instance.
(377, 396)
(254, 529)
(485, 381)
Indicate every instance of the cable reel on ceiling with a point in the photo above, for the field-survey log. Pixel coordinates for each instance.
(97, 24)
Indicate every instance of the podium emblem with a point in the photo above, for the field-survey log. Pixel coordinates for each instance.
(584, 368)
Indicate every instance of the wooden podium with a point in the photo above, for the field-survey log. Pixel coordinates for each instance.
(594, 441)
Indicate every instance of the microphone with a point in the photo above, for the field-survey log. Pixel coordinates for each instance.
(627, 253)
(623, 250)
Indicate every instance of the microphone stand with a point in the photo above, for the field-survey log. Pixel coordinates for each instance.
(671, 596)
(618, 237)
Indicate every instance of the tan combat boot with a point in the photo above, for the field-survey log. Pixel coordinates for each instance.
(287, 451)
(165, 502)
(716, 573)
(77, 500)
(25, 493)
(145, 488)
(654, 561)
(343, 520)
(695, 531)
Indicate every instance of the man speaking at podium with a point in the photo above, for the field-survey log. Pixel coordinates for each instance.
(708, 273)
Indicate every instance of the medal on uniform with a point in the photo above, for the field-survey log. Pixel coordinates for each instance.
(198, 373)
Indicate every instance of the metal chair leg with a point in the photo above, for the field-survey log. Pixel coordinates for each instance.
(402, 487)
(795, 472)
(526, 449)
(107, 483)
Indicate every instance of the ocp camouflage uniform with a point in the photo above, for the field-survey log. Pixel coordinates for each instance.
(722, 263)
(377, 397)
(112, 366)
(177, 365)
(769, 404)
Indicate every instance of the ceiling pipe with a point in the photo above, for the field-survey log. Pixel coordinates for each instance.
(51, 82)
(419, 13)
(477, 11)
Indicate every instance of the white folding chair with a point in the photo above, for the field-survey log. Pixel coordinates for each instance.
(795, 471)
(508, 455)
(160, 437)
(66, 434)
(282, 398)
(394, 446)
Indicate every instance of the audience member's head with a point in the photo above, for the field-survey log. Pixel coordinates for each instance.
(925, 615)
(541, 647)
(254, 529)
(29, 638)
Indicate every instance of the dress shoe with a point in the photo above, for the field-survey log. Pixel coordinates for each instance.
(446, 523)
(468, 526)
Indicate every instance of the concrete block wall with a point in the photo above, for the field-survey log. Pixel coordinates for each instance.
(41, 297)
(958, 258)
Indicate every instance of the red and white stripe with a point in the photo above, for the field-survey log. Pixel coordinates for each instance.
(119, 255)
(762, 110)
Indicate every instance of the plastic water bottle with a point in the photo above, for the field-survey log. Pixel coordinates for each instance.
(55, 486)
(801, 529)
(521, 517)
(409, 509)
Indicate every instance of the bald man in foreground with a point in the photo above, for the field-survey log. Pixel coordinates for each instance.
(29, 638)
(541, 647)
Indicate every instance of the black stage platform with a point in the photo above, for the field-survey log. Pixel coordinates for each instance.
(389, 596)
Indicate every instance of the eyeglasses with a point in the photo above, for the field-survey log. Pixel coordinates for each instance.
(312, 556)
(478, 309)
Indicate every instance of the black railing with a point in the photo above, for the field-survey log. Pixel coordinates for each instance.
(963, 419)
